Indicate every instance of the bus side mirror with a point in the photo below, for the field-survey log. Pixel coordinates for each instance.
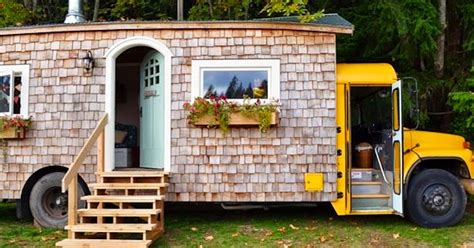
(412, 95)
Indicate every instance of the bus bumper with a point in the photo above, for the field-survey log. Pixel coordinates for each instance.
(468, 185)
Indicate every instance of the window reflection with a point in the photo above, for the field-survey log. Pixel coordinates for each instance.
(5, 94)
(235, 84)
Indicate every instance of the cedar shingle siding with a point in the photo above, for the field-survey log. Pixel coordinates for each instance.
(245, 165)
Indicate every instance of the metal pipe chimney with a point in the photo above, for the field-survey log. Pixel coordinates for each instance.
(74, 14)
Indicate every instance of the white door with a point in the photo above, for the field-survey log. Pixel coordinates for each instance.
(152, 142)
(397, 143)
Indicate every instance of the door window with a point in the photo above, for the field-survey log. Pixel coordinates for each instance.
(396, 112)
(152, 73)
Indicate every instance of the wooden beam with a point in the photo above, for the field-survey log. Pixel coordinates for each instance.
(74, 167)
(100, 153)
(72, 205)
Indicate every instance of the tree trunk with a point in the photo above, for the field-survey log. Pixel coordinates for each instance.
(439, 57)
(211, 12)
(96, 10)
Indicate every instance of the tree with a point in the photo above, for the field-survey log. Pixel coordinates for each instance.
(95, 16)
(225, 9)
(292, 7)
(463, 105)
(142, 9)
(439, 57)
(12, 13)
(401, 31)
(211, 91)
(239, 93)
(249, 90)
(232, 88)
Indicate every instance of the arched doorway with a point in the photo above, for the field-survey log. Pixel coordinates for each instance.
(134, 55)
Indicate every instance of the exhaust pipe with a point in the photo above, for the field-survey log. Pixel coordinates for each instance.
(74, 14)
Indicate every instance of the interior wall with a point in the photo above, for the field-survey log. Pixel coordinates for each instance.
(127, 91)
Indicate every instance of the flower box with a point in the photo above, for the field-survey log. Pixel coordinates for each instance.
(12, 133)
(236, 119)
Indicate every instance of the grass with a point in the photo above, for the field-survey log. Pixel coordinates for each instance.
(283, 227)
(22, 233)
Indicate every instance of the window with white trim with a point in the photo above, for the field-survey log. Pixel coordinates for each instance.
(14, 81)
(236, 79)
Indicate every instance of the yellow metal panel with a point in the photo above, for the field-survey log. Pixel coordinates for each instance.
(313, 181)
(342, 205)
(434, 145)
(366, 74)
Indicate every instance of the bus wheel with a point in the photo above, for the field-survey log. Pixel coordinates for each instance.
(436, 198)
(48, 204)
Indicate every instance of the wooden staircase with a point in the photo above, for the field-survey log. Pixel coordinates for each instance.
(126, 208)
(369, 191)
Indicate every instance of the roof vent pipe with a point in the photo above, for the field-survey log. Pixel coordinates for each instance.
(74, 14)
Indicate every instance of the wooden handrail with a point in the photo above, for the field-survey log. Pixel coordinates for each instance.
(74, 167)
(70, 181)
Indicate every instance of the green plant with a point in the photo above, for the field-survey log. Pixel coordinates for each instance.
(258, 111)
(220, 109)
(463, 105)
(14, 122)
(12, 13)
(292, 7)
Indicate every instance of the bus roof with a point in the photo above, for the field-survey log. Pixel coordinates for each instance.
(379, 73)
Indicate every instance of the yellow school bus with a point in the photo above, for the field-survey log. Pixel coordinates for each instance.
(386, 168)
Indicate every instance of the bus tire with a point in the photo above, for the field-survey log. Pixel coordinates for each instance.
(48, 204)
(436, 198)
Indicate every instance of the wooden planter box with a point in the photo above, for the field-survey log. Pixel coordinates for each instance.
(12, 133)
(236, 119)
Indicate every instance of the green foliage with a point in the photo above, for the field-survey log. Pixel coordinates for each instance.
(463, 106)
(224, 9)
(467, 11)
(141, 9)
(292, 7)
(220, 110)
(261, 112)
(403, 31)
(14, 122)
(13, 13)
(51, 11)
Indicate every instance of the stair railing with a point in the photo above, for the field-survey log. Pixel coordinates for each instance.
(70, 182)
(379, 162)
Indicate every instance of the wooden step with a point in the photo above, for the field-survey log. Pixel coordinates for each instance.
(118, 212)
(366, 183)
(371, 196)
(111, 228)
(92, 243)
(132, 174)
(124, 198)
(361, 209)
(133, 177)
(362, 169)
(128, 185)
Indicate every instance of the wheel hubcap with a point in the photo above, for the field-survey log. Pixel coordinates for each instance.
(55, 202)
(437, 199)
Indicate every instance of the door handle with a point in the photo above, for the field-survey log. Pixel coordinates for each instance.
(140, 112)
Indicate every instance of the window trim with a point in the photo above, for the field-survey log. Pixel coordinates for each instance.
(25, 81)
(270, 65)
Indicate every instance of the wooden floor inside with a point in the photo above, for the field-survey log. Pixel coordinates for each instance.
(126, 209)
